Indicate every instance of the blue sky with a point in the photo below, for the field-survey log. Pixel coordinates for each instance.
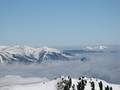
(59, 22)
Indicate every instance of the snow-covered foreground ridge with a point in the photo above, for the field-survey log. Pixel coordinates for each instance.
(27, 54)
(62, 83)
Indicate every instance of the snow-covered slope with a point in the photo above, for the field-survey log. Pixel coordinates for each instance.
(84, 83)
(59, 84)
(26, 54)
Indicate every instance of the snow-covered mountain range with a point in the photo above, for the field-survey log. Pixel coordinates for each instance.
(62, 83)
(26, 54)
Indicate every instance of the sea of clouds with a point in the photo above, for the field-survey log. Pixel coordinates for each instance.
(105, 66)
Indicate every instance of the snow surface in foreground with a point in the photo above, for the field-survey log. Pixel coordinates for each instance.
(19, 83)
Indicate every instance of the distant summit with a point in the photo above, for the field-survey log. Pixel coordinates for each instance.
(96, 47)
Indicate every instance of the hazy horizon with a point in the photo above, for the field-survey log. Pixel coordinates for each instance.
(59, 23)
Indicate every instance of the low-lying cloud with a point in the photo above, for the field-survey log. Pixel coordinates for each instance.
(103, 66)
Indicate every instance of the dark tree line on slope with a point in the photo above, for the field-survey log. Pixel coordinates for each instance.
(92, 86)
(81, 84)
(108, 88)
(101, 86)
(67, 84)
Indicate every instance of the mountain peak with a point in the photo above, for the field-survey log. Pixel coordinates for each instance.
(50, 49)
(100, 47)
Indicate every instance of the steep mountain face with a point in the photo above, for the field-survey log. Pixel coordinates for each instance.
(26, 54)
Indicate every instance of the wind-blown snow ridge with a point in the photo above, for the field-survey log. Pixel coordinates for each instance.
(27, 54)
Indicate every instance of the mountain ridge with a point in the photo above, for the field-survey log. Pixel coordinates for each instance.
(29, 54)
